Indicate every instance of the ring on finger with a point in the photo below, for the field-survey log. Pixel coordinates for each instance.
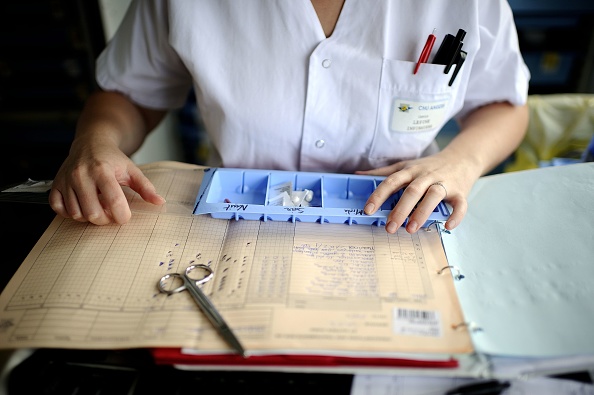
(441, 185)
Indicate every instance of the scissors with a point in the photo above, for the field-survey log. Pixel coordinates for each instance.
(191, 284)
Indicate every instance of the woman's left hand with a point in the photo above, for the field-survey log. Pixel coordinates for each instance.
(427, 181)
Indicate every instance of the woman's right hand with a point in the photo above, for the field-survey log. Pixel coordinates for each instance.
(88, 185)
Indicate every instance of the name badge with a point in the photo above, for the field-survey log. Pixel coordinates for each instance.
(413, 116)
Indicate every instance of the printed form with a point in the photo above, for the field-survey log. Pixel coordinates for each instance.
(282, 287)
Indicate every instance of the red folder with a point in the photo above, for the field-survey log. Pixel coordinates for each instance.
(174, 356)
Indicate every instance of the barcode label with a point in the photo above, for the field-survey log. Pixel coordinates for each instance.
(414, 322)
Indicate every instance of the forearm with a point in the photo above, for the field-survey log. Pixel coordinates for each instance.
(110, 118)
(88, 185)
(489, 135)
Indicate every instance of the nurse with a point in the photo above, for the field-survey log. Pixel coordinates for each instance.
(307, 85)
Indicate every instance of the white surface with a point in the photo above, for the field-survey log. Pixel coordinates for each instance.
(526, 249)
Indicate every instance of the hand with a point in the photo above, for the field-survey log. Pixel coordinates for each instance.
(427, 181)
(88, 186)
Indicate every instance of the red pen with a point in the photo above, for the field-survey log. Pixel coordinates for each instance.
(426, 51)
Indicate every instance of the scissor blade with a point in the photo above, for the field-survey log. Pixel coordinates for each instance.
(213, 315)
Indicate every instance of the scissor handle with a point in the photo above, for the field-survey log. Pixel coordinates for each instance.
(192, 285)
(204, 279)
(184, 277)
(163, 281)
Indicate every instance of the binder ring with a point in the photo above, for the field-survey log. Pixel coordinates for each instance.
(457, 275)
(471, 326)
(438, 226)
(428, 227)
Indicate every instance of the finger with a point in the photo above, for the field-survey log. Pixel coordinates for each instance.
(384, 190)
(56, 201)
(406, 204)
(91, 207)
(425, 207)
(113, 200)
(460, 206)
(72, 205)
(142, 185)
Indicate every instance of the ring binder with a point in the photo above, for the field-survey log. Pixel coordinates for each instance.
(471, 326)
(457, 276)
(503, 347)
(438, 226)
(428, 227)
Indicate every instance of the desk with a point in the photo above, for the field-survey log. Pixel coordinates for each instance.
(130, 372)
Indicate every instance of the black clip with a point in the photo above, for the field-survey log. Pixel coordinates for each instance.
(450, 53)
(449, 49)
(455, 49)
(459, 62)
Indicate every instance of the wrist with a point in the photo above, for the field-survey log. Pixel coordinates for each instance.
(90, 143)
(467, 161)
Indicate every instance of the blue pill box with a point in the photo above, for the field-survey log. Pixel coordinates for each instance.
(253, 194)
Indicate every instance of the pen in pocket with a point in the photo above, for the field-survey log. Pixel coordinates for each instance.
(450, 52)
(426, 51)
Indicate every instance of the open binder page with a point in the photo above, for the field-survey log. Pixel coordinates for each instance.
(282, 287)
(526, 249)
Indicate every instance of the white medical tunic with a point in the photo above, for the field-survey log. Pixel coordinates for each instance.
(275, 93)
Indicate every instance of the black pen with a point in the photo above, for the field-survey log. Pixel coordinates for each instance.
(450, 52)
(490, 387)
(455, 50)
(449, 49)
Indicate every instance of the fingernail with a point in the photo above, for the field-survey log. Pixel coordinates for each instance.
(369, 208)
(451, 224)
(412, 226)
(392, 227)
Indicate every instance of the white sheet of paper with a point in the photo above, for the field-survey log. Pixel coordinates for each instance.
(526, 249)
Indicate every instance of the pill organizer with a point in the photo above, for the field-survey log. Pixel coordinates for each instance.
(252, 194)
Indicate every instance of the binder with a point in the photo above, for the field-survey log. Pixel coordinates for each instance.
(526, 291)
(177, 357)
(526, 249)
(520, 264)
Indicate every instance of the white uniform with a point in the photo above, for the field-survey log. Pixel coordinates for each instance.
(275, 93)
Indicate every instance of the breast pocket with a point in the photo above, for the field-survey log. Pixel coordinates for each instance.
(411, 110)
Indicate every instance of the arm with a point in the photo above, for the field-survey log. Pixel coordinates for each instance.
(87, 186)
(487, 136)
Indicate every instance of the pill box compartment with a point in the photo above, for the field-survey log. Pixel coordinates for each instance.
(329, 198)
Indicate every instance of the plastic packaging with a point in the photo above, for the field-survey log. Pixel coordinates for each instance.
(560, 126)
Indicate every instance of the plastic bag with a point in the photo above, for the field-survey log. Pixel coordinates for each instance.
(561, 126)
